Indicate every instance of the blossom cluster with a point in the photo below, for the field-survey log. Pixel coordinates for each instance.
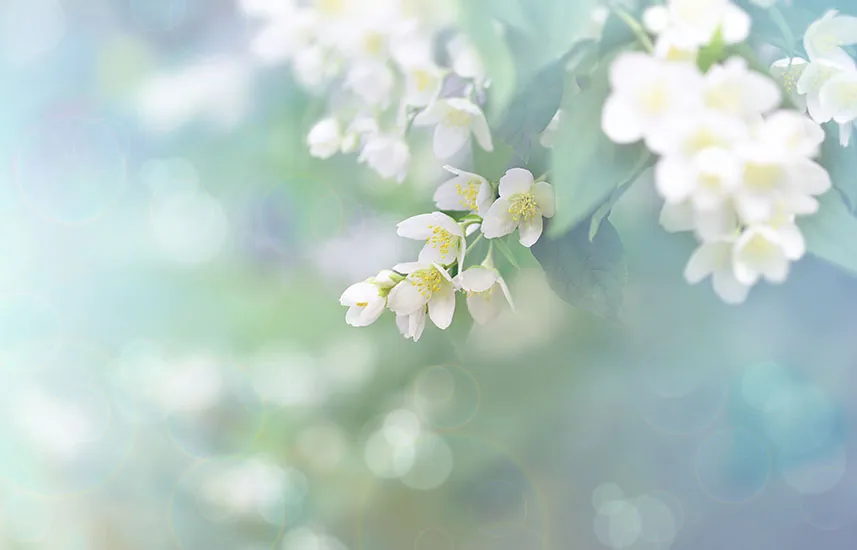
(732, 167)
(428, 287)
(825, 85)
(380, 57)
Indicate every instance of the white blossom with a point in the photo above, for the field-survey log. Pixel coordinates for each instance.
(484, 286)
(325, 138)
(388, 155)
(426, 286)
(454, 120)
(466, 191)
(444, 237)
(825, 37)
(366, 300)
(715, 259)
(522, 205)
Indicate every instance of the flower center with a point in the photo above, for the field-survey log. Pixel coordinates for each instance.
(702, 138)
(654, 98)
(361, 304)
(762, 177)
(726, 97)
(330, 7)
(523, 207)
(427, 281)
(468, 193)
(791, 76)
(423, 80)
(441, 239)
(846, 96)
(373, 42)
(457, 119)
(759, 247)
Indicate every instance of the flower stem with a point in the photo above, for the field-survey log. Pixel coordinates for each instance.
(471, 245)
(636, 28)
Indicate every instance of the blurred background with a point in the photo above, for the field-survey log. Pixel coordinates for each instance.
(176, 372)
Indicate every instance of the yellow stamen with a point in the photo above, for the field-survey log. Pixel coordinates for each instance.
(427, 281)
(362, 304)
(457, 119)
(440, 239)
(468, 193)
(762, 177)
(523, 207)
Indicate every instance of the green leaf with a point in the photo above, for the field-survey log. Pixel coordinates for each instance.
(831, 234)
(587, 274)
(533, 108)
(506, 252)
(487, 37)
(841, 163)
(586, 165)
(712, 53)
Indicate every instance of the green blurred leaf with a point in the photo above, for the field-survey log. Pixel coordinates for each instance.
(587, 274)
(841, 163)
(712, 53)
(587, 166)
(477, 19)
(831, 234)
(506, 252)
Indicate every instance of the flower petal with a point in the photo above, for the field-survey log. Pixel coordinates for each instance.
(431, 115)
(530, 231)
(515, 181)
(728, 287)
(405, 298)
(449, 140)
(620, 121)
(498, 222)
(482, 132)
(441, 307)
(483, 308)
(544, 194)
(478, 279)
(705, 260)
(417, 227)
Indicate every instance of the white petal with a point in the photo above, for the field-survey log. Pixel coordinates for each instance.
(371, 313)
(728, 287)
(793, 242)
(417, 227)
(620, 121)
(417, 324)
(544, 194)
(674, 179)
(446, 197)
(809, 177)
(449, 140)
(483, 308)
(735, 25)
(845, 131)
(516, 181)
(410, 267)
(704, 261)
(530, 231)
(482, 132)
(485, 198)
(431, 115)
(498, 222)
(744, 274)
(478, 279)
(358, 292)
(677, 217)
(442, 307)
(405, 298)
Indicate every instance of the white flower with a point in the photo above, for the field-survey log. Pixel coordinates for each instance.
(698, 21)
(455, 119)
(838, 97)
(288, 31)
(313, 67)
(366, 300)
(412, 325)
(764, 251)
(388, 155)
(646, 92)
(422, 83)
(465, 59)
(372, 81)
(481, 284)
(812, 81)
(426, 285)
(466, 191)
(444, 237)
(715, 259)
(733, 89)
(361, 126)
(325, 138)
(521, 205)
(788, 71)
(825, 37)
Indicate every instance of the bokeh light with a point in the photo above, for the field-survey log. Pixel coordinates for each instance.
(733, 466)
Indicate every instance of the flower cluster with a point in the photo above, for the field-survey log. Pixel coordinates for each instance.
(825, 85)
(380, 56)
(428, 287)
(732, 168)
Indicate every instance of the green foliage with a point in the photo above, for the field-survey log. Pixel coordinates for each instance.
(831, 234)
(587, 274)
(587, 166)
(712, 53)
(841, 163)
